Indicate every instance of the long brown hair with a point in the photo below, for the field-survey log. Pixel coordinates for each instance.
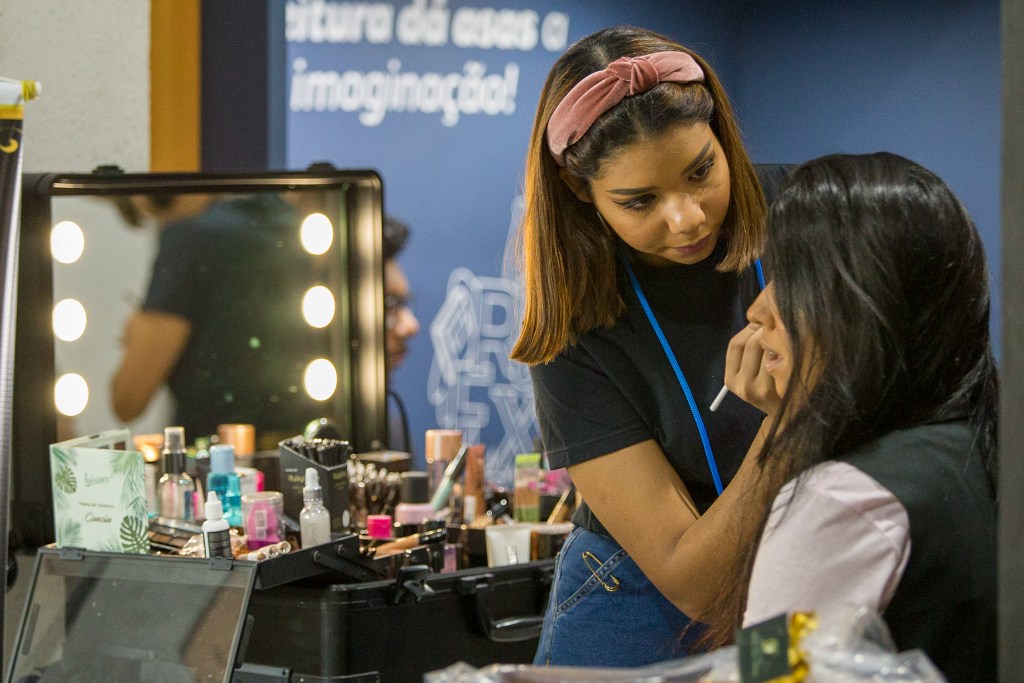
(567, 253)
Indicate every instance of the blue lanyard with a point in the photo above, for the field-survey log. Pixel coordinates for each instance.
(678, 371)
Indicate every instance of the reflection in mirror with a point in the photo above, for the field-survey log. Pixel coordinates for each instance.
(147, 300)
(194, 309)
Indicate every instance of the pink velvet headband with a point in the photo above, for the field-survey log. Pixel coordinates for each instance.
(602, 90)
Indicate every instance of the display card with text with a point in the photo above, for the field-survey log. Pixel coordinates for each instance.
(99, 496)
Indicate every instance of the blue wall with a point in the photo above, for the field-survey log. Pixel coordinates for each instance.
(919, 78)
(807, 78)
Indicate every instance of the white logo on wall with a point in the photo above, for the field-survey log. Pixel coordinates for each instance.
(472, 379)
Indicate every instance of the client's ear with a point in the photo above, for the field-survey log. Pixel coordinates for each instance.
(578, 187)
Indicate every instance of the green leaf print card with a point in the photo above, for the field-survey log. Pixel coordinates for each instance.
(99, 494)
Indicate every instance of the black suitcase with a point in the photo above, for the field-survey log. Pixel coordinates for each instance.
(396, 630)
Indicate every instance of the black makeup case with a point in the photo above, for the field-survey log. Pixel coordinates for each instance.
(396, 629)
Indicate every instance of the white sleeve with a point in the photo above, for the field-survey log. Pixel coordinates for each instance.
(839, 539)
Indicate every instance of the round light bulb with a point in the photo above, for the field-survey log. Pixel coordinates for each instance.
(71, 394)
(316, 233)
(318, 306)
(320, 379)
(67, 242)
(68, 320)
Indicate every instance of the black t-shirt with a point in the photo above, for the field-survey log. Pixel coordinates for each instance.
(237, 273)
(616, 388)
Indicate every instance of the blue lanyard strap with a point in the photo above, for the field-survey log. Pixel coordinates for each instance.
(712, 465)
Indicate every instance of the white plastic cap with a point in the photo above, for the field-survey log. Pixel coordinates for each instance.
(312, 480)
(214, 509)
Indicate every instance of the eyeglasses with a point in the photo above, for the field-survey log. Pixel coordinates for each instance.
(393, 305)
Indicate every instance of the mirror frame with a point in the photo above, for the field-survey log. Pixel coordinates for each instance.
(34, 415)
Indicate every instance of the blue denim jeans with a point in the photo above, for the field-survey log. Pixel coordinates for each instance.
(586, 624)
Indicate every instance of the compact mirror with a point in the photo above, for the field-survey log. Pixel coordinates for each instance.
(147, 300)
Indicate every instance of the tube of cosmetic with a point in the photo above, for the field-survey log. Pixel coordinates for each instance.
(507, 544)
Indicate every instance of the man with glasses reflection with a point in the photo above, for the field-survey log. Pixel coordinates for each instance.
(401, 325)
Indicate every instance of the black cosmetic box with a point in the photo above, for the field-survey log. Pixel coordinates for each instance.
(316, 615)
(400, 629)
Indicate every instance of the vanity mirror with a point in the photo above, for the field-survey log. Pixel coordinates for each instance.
(147, 300)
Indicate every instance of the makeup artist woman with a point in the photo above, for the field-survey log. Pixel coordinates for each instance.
(644, 220)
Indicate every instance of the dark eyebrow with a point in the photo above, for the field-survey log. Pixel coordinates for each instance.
(701, 155)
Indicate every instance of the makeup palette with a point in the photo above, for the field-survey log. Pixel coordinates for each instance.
(168, 536)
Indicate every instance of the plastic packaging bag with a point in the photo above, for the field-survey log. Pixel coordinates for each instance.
(845, 646)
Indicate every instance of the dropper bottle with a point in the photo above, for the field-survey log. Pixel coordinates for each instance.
(314, 519)
(175, 488)
(216, 530)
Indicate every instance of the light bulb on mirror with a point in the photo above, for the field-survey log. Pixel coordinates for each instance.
(69, 320)
(318, 306)
(71, 394)
(320, 379)
(316, 233)
(67, 242)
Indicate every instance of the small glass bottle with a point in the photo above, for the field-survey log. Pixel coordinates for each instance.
(225, 482)
(314, 519)
(176, 488)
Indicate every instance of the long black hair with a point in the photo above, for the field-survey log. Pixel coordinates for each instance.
(880, 278)
(878, 265)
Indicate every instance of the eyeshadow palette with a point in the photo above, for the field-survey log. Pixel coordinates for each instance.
(170, 535)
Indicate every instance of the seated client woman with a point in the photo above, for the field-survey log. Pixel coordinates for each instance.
(875, 333)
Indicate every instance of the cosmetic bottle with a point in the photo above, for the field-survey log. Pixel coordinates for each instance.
(314, 520)
(526, 506)
(199, 466)
(261, 516)
(242, 437)
(225, 482)
(175, 487)
(216, 530)
(474, 503)
(415, 506)
(441, 447)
